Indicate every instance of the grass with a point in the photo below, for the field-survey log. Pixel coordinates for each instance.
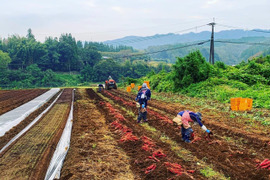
(69, 79)
(210, 173)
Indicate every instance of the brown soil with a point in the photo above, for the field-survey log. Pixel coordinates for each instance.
(93, 153)
(10, 99)
(29, 156)
(235, 162)
(15, 130)
(139, 157)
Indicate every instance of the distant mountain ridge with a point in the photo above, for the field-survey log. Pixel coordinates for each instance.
(138, 42)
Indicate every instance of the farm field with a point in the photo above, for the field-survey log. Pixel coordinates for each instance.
(155, 149)
(108, 143)
(10, 99)
(29, 156)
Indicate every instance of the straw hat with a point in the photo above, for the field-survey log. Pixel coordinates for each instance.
(177, 120)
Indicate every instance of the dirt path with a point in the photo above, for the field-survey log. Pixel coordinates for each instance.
(234, 161)
(29, 156)
(94, 153)
(14, 98)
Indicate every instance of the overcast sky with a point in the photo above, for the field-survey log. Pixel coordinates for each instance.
(100, 20)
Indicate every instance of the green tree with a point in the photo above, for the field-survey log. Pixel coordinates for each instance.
(30, 34)
(191, 69)
(51, 59)
(68, 50)
(4, 60)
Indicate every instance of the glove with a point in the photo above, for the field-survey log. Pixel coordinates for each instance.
(137, 104)
(143, 106)
(209, 132)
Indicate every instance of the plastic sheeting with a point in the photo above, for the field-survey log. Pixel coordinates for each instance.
(29, 125)
(53, 172)
(15, 116)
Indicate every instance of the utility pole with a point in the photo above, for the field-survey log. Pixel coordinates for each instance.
(211, 54)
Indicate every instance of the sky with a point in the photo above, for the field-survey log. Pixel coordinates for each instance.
(101, 20)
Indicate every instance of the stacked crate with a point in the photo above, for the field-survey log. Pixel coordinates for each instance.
(241, 104)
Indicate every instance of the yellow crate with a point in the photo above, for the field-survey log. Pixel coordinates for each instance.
(234, 108)
(128, 89)
(243, 104)
(139, 87)
(249, 104)
(132, 85)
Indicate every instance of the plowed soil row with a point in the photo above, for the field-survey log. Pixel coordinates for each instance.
(140, 155)
(252, 141)
(29, 156)
(94, 153)
(233, 161)
(232, 125)
(14, 98)
(15, 130)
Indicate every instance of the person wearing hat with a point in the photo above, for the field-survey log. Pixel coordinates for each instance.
(143, 96)
(183, 118)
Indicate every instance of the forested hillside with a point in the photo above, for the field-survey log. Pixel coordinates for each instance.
(26, 62)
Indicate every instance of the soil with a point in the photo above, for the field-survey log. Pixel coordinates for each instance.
(15, 130)
(234, 161)
(29, 156)
(94, 152)
(140, 157)
(10, 99)
(108, 143)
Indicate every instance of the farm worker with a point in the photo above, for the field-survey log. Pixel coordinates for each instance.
(110, 77)
(100, 87)
(143, 96)
(183, 118)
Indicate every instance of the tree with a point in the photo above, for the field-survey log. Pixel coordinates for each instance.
(68, 50)
(30, 34)
(51, 59)
(4, 60)
(191, 69)
(89, 56)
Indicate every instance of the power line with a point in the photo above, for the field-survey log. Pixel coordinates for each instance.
(170, 49)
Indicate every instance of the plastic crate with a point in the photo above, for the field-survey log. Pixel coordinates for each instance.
(132, 85)
(128, 89)
(249, 104)
(234, 108)
(243, 104)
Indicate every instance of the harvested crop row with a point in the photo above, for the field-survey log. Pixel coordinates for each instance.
(94, 153)
(29, 156)
(214, 117)
(11, 99)
(150, 158)
(251, 141)
(230, 159)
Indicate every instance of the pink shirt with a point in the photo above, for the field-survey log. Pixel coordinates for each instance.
(186, 119)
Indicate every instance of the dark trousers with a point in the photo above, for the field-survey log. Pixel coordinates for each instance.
(186, 134)
(142, 115)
